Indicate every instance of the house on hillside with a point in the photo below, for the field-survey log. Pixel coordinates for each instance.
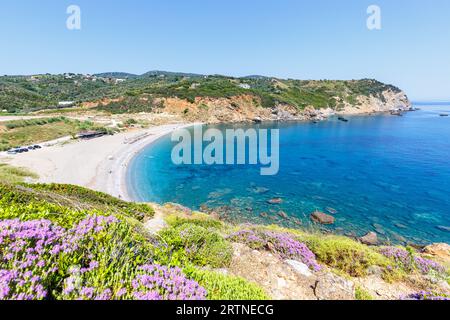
(66, 104)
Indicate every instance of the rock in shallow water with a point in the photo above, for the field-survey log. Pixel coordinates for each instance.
(283, 215)
(275, 201)
(443, 228)
(322, 218)
(370, 239)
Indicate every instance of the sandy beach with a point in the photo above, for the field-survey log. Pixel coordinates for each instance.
(99, 164)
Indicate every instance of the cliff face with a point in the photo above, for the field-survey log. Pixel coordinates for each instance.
(248, 108)
(389, 100)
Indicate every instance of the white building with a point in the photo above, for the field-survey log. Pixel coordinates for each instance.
(245, 86)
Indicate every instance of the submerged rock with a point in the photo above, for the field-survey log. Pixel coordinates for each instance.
(275, 201)
(283, 215)
(400, 226)
(322, 218)
(331, 210)
(370, 239)
(379, 228)
(399, 238)
(443, 228)
(258, 190)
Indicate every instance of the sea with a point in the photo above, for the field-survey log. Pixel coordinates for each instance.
(382, 173)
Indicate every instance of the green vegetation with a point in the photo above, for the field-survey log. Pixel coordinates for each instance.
(77, 198)
(32, 122)
(25, 94)
(344, 254)
(225, 287)
(197, 219)
(198, 245)
(128, 105)
(9, 174)
(102, 249)
(102, 252)
(361, 294)
(25, 132)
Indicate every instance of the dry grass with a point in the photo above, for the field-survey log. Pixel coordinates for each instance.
(9, 174)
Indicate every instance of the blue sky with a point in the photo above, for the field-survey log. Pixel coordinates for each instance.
(313, 39)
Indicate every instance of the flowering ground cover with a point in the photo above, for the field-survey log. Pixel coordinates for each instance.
(407, 260)
(52, 251)
(40, 260)
(282, 243)
(52, 247)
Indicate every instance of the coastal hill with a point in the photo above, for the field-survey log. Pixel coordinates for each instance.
(194, 97)
(74, 243)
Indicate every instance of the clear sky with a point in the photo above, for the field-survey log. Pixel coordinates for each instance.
(304, 39)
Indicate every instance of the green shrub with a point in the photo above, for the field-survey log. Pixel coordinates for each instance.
(225, 287)
(57, 200)
(198, 245)
(361, 294)
(62, 216)
(201, 220)
(344, 254)
(95, 199)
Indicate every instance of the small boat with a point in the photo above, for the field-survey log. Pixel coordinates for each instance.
(342, 119)
(444, 115)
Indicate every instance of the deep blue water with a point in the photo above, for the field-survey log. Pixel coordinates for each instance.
(384, 173)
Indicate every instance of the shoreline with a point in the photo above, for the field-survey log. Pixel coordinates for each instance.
(116, 184)
(100, 164)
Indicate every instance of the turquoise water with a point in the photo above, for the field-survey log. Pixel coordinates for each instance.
(383, 173)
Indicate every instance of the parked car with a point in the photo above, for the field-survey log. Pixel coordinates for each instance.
(12, 151)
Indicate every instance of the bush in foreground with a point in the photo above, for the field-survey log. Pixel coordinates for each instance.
(344, 254)
(193, 243)
(225, 287)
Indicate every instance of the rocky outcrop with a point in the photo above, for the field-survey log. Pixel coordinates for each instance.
(248, 108)
(290, 279)
(279, 280)
(388, 100)
(439, 251)
(330, 286)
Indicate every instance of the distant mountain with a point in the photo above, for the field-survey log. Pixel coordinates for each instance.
(255, 77)
(156, 73)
